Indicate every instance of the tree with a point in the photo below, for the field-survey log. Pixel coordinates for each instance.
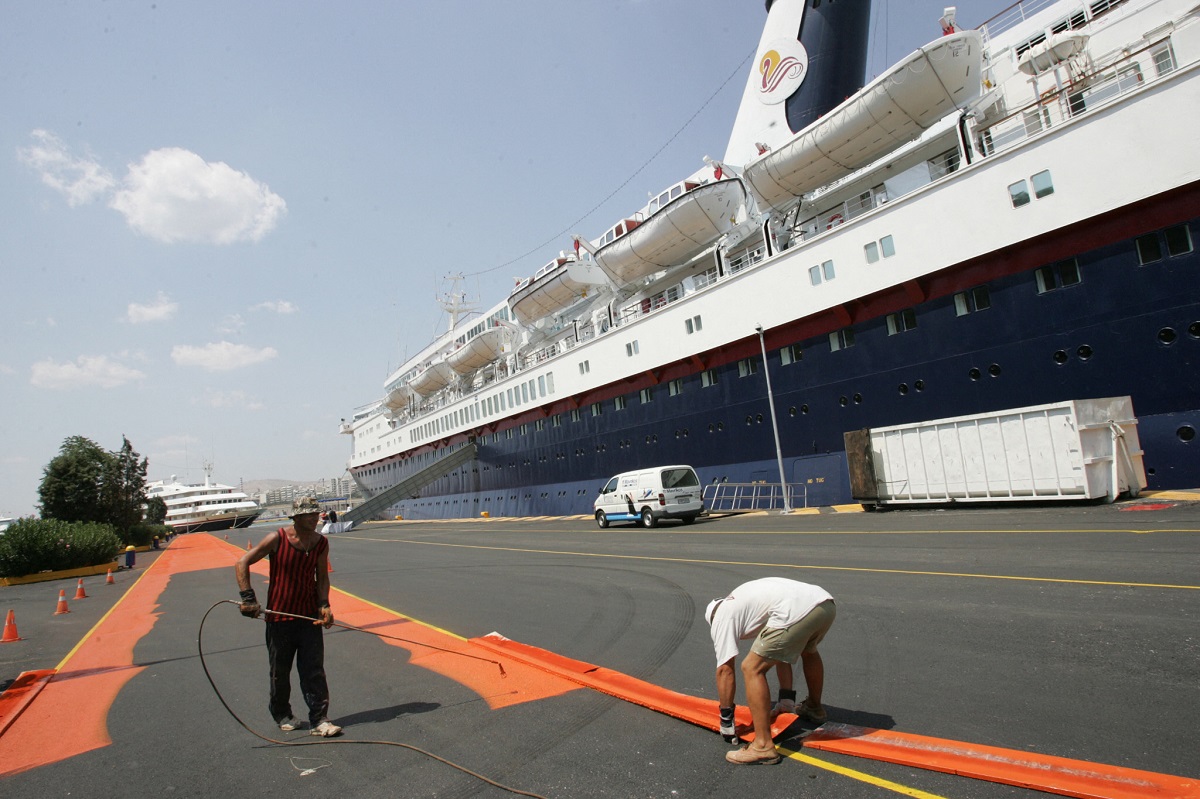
(85, 483)
(72, 488)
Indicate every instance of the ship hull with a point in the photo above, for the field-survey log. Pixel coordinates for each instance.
(212, 525)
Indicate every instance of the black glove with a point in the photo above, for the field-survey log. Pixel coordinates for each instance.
(728, 728)
(249, 605)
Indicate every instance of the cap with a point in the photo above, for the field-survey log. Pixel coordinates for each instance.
(305, 505)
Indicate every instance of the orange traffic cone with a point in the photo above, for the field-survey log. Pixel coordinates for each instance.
(330, 562)
(109, 580)
(10, 629)
(62, 602)
(79, 592)
(247, 544)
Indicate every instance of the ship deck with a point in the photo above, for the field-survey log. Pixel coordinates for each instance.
(1020, 628)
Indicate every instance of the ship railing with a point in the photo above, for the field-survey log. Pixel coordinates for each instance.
(745, 497)
(746, 259)
(1011, 17)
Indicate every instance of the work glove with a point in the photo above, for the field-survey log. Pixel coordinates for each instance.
(249, 605)
(786, 703)
(728, 728)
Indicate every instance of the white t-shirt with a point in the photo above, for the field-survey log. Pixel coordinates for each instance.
(774, 602)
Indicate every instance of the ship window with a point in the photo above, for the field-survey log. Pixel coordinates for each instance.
(632, 349)
(676, 191)
(976, 299)
(597, 409)
(525, 429)
(901, 322)
(509, 397)
(747, 367)
(584, 367)
(1179, 240)
(550, 383)
(1043, 184)
(827, 269)
(1019, 193)
(841, 339)
(539, 425)
(790, 354)
(1149, 249)
(619, 403)
(887, 246)
(541, 385)
(1059, 275)
(708, 378)
(871, 250)
(575, 415)
(557, 422)
(1164, 59)
(647, 395)
(508, 433)
(693, 325)
(675, 387)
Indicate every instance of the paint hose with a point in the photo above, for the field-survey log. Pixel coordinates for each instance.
(329, 741)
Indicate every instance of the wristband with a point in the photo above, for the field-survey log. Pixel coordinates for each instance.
(249, 596)
(323, 605)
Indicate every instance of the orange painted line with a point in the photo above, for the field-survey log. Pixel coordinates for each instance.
(1059, 775)
(17, 696)
(1045, 773)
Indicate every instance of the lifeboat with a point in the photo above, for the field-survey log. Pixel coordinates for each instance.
(891, 111)
(398, 399)
(432, 378)
(556, 286)
(675, 231)
(1057, 48)
(478, 352)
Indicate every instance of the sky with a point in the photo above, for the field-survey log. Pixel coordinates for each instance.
(225, 223)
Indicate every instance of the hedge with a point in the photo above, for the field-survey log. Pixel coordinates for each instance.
(32, 545)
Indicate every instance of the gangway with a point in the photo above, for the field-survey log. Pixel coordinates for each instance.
(746, 497)
(408, 488)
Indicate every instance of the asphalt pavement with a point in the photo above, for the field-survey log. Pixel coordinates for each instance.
(1059, 630)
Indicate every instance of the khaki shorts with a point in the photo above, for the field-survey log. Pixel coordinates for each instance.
(786, 644)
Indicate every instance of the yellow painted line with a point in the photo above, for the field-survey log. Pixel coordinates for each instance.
(870, 779)
(96, 626)
(398, 614)
(1015, 578)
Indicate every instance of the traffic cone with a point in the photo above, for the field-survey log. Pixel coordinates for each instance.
(10, 629)
(330, 562)
(62, 602)
(247, 544)
(79, 592)
(109, 580)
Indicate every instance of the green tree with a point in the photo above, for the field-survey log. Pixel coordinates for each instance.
(72, 488)
(156, 511)
(124, 491)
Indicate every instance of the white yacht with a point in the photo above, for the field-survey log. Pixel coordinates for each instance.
(208, 507)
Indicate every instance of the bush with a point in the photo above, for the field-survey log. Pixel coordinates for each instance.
(34, 545)
(141, 534)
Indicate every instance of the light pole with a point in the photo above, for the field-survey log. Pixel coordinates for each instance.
(787, 503)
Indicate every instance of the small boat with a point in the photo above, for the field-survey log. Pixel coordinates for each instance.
(478, 351)
(677, 225)
(556, 286)
(203, 508)
(398, 399)
(1056, 49)
(889, 112)
(437, 375)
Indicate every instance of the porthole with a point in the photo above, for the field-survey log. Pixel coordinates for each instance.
(994, 370)
(903, 389)
(676, 434)
(711, 428)
(1060, 357)
(804, 408)
(1084, 352)
(1194, 330)
(919, 385)
(1186, 433)
(720, 426)
(749, 420)
(1167, 335)
(974, 373)
(858, 399)
(758, 418)
(792, 411)
(654, 439)
(685, 432)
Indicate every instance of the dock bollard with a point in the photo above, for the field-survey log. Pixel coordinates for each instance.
(130, 558)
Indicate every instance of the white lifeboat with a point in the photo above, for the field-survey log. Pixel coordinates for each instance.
(398, 399)
(692, 217)
(478, 352)
(432, 378)
(556, 286)
(889, 112)
(1056, 49)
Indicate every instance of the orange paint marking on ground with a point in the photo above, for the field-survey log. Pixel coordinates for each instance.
(1045, 773)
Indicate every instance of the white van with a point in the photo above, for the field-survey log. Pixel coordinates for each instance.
(648, 496)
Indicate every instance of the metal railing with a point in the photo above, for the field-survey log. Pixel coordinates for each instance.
(741, 497)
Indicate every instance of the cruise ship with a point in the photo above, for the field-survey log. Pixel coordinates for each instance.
(206, 507)
(1006, 217)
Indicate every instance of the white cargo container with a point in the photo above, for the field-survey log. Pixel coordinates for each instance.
(1081, 449)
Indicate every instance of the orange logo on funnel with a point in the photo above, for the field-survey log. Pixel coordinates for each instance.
(783, 67)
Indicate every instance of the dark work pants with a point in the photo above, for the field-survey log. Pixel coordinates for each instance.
(303, 642)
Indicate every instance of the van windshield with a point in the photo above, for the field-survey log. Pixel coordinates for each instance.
(679, 478)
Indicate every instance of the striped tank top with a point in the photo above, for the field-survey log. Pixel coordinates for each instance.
(293, 579)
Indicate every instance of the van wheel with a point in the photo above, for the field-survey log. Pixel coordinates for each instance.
(601, 520)
(689, 519)
(648, 519)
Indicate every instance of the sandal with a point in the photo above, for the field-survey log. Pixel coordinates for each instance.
(747, 756)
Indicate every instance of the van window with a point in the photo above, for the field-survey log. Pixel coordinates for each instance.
(679, 478)
(611, 487)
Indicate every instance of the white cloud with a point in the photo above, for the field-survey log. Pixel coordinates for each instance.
(231, 399)
(80, 180)
(278, 306)
(231, 324)
(174, 195)
(87, 370)
(220, 356)
(160, 310)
